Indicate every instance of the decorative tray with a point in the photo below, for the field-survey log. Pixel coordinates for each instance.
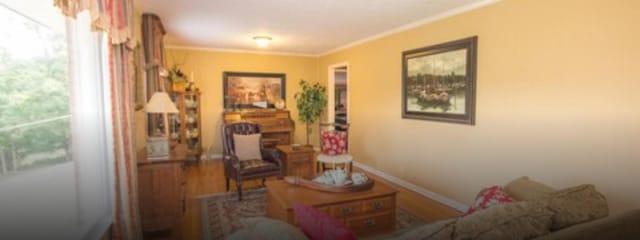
(350, 187)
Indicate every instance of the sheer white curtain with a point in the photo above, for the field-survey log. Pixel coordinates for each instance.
(92, 142)
(73, 199)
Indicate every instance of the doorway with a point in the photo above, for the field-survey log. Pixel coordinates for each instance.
(338, 89)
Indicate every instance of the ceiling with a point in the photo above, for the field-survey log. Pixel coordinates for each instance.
(304, 27)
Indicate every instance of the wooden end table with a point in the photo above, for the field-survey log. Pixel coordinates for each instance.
(366, 213)
(161, 191)
(297, 161)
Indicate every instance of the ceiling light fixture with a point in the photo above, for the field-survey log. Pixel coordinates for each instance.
(262, 41)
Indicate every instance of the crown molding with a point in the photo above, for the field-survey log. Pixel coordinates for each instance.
(232, 50)
(409, 26)
(424, 21)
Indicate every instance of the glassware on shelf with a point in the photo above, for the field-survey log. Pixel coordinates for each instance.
(188, 122)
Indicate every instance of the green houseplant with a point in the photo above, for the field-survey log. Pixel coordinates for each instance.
(178, 79)
(310, 103)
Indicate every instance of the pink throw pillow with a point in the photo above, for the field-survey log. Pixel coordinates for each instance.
(334, 142)
(489, 197)
(320, 226)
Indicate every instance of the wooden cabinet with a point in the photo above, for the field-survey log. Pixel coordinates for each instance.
(371, 224)
(276, 125)
(367, 216)
(298, 161)
(187, 125)
(161, 191)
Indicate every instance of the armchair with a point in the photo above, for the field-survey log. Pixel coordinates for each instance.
(238, 170)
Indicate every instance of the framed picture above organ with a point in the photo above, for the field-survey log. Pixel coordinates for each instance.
(253, 90)
(439, 82)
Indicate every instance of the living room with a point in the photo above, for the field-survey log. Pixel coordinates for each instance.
(549, 96)
(536, 110)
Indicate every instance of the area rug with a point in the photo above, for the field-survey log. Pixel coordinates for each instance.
(221, 213)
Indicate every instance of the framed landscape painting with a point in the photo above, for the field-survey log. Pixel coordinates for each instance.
(249, 90)
(439, 82)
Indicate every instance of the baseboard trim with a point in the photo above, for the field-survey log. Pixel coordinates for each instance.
(211, 156)
(420, 190)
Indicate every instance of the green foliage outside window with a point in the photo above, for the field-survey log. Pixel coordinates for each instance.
(34, 88)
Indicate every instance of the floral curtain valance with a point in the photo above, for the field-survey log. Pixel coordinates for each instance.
(112, 16)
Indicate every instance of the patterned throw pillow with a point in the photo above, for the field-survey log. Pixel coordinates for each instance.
(526, 189)
(575, 205)
(489, 197)
(334, 142)
(516, 220)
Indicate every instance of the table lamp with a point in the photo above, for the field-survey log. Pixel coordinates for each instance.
(160, 102)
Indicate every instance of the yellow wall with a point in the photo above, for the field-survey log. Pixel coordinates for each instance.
(557, 99)
(208, 66)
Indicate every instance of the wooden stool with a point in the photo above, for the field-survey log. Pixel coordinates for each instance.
(334, 160)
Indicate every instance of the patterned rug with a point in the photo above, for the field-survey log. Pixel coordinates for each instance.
(221, 213)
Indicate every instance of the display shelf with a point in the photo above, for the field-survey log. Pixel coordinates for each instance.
(187, 125)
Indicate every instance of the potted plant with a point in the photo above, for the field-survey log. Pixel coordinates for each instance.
(310, 103)
(178, 79)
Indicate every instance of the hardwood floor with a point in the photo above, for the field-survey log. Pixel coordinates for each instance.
(207, 177)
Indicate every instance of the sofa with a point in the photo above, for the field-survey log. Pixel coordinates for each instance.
(625, 226)
(522, 209)
(533, 211)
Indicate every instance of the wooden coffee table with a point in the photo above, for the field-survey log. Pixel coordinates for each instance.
(365, 213)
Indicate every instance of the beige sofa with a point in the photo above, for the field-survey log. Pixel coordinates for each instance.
(540, 212)
(621, 227)
(624, 226)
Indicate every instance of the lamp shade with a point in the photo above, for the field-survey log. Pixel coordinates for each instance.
(160, 102)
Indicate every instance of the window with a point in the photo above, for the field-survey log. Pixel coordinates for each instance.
(55, 147)
(34, 97)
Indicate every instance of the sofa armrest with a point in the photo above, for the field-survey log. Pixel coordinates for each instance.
(622, 226)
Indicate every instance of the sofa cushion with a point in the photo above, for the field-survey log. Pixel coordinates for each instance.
(623, 226)
(489, 197)
(576, 205)
(320, 226)
(442, 229)
(517, 220)
(247, 147)
(255, 166)
(334, 142)
(525, 189)
(268, 229)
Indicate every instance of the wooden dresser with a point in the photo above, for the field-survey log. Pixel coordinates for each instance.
(277, 126)
(366, 213)
(161, 191)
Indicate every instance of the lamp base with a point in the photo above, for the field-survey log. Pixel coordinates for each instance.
(157, 147)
